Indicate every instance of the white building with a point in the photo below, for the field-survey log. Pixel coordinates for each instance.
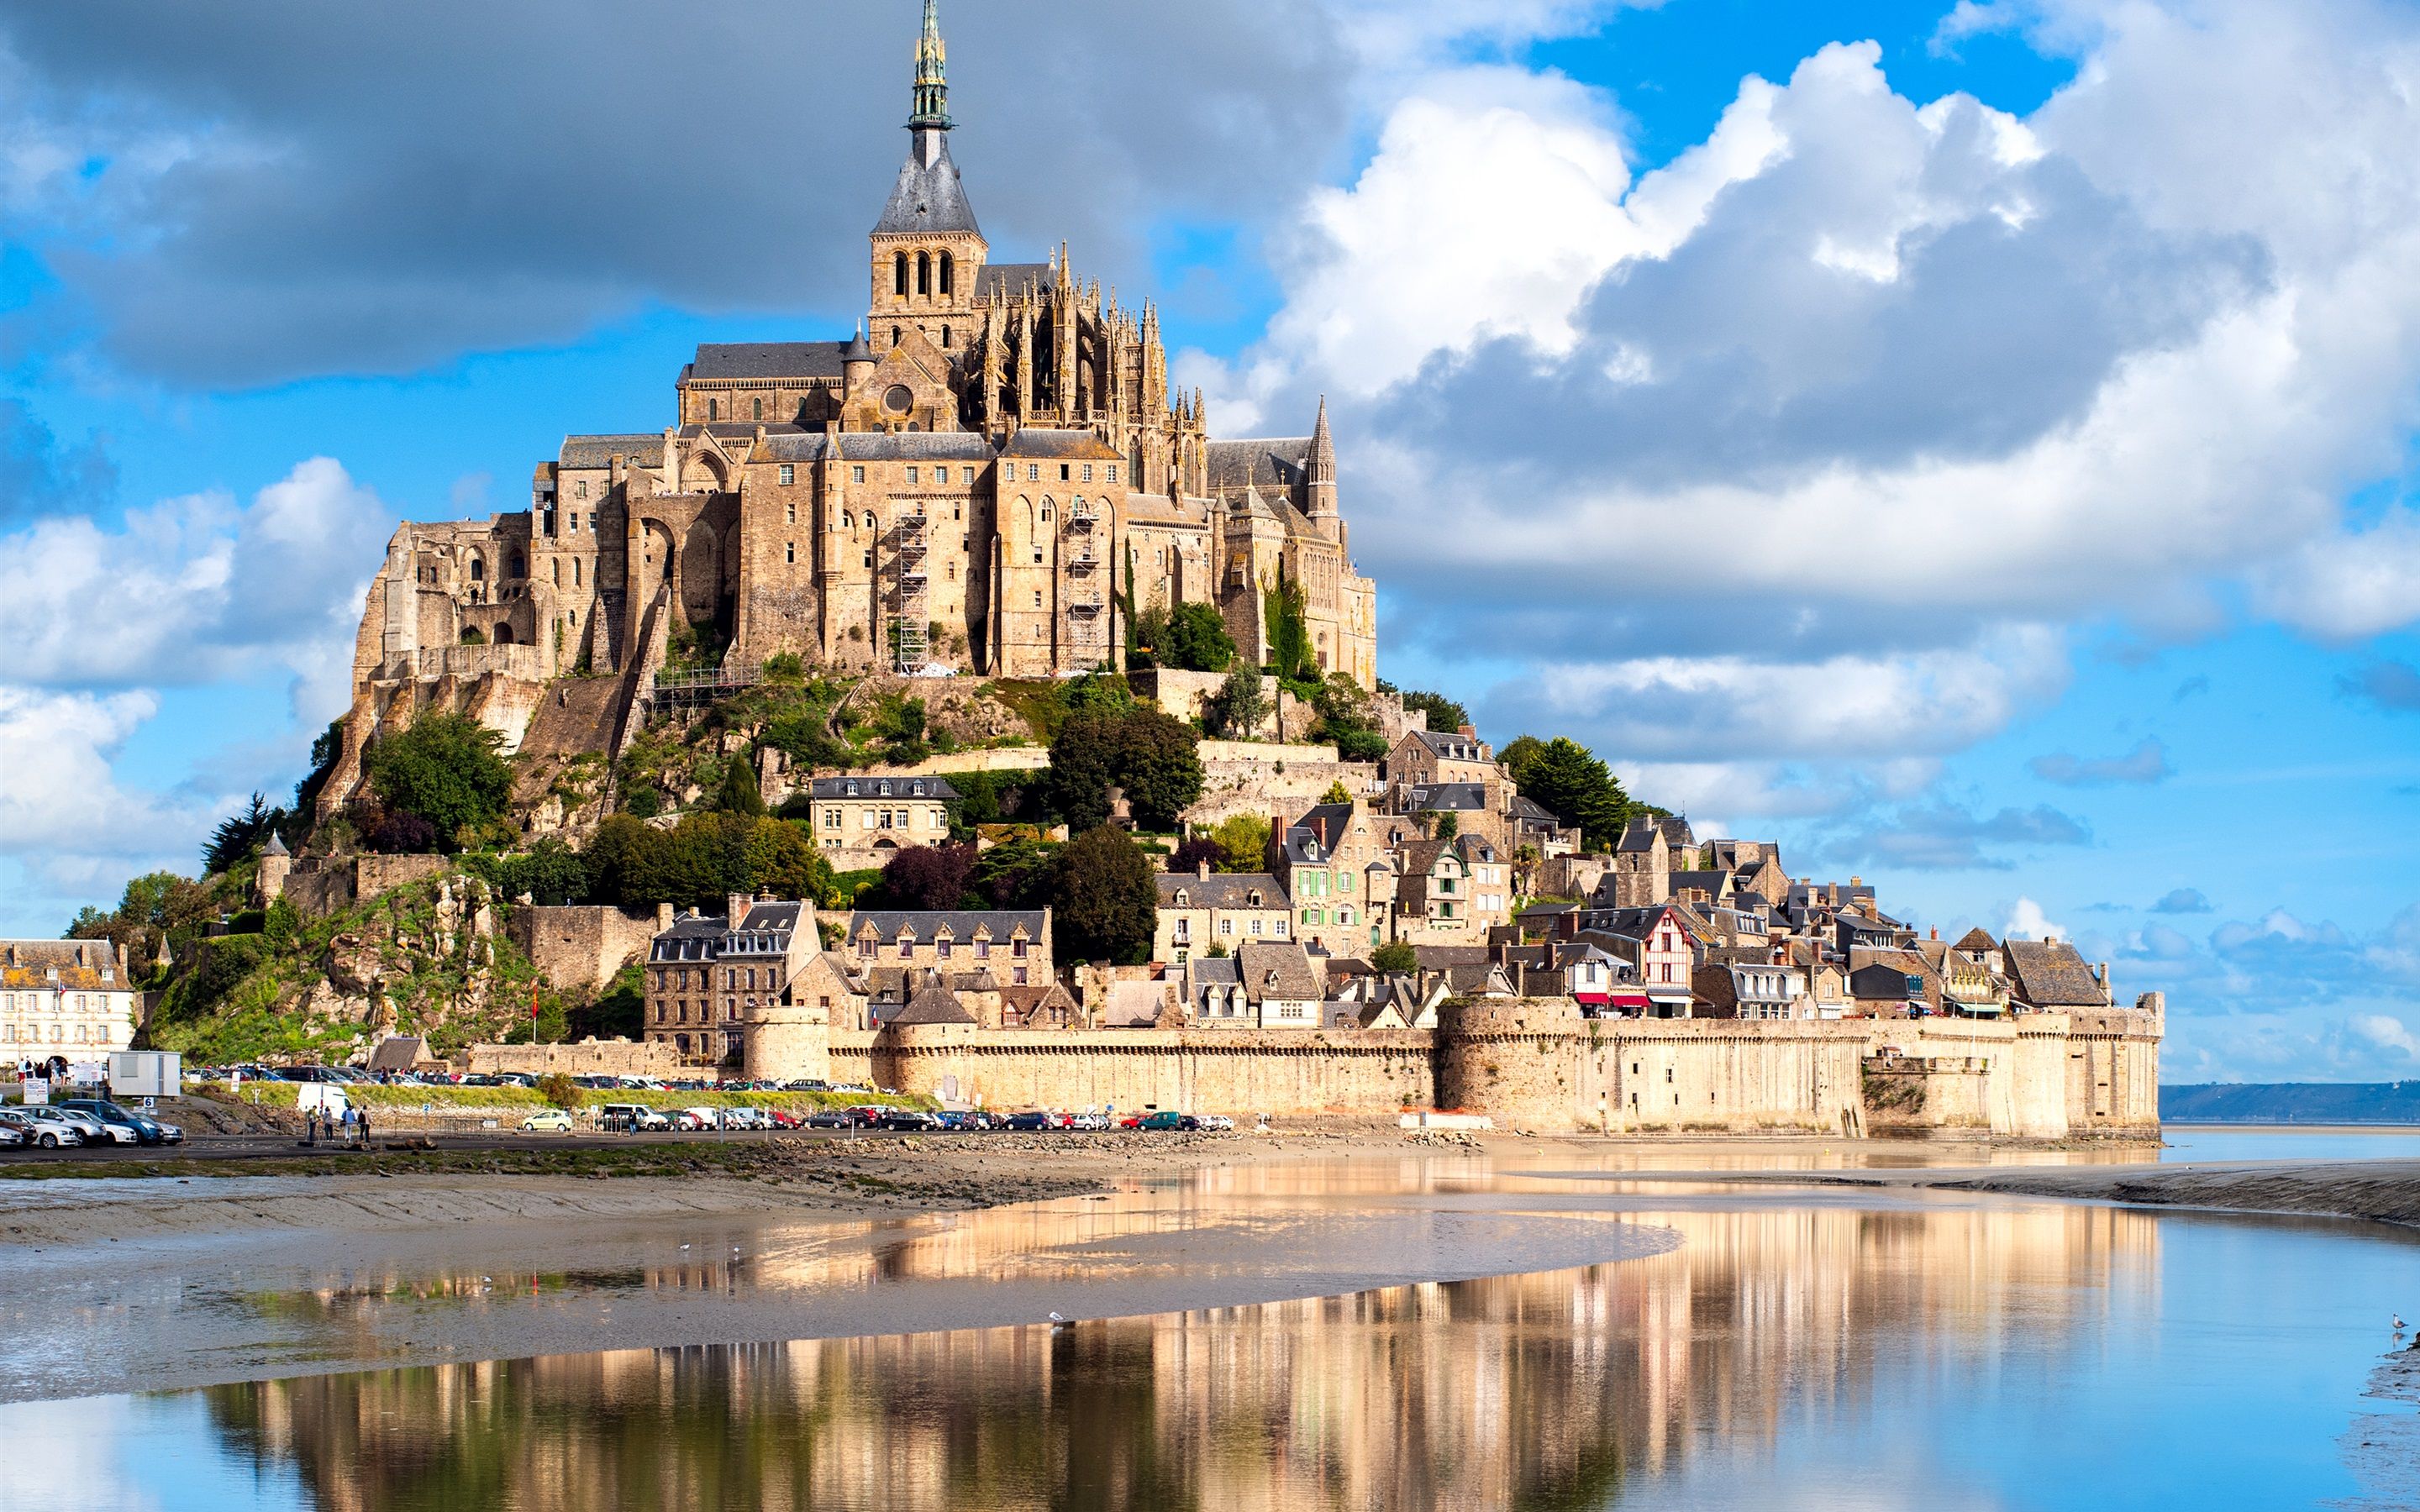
(69, 1001)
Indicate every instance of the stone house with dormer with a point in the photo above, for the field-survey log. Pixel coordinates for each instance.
(863, 820)
(1012, 944)
(1201, 912)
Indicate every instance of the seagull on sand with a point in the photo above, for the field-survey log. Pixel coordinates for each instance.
(2399, 1321)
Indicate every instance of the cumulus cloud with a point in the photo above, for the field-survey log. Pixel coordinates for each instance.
(2183, 901)
(2147, 763)
(2390, 684)
(63, 814)
(1858, 381)
(2390, 1035)
(2027, 921)
(217, 587)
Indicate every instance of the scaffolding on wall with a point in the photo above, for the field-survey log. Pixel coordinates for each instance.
(910, 645)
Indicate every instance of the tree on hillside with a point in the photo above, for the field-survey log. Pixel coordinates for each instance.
(1195, 853)
(739, 793)
(924, 877)
(1347, 721)
(1015, 875)
(445, 770)
(1567, 778)
(1396, 959)
(1235, 711)
(1146, 752)
(1103, 898)
(777, 856)
(1196, 639)
(1158, 766)
(1282, 620)
(1337, 792)
(233, 842)
(1244, 838)
(1444, 714)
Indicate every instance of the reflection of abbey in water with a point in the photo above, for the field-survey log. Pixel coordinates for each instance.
(981, 477)
(1554, 1389)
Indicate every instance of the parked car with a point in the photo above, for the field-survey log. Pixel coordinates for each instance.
(29, 1132)
(784, 1119)
(1165, 1120)
(1218, 1121)
(1032, 1121)
(549, 1120)
(1089, 1123)
(11, 1137)
(93, 1129)
(832, 1119)
(121, 1121)
(807, 1084)
(911, 1119)
(688, 1121)
(633, 1118)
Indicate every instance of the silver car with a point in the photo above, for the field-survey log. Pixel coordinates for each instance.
(88, 1129)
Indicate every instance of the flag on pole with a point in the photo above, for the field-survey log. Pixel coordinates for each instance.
(532, 1012)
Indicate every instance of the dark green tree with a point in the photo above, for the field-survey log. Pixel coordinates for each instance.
(446, 770)
(1159, 767)
(1449, 824)
(1445, 714)
(1567, 778)
(1197, 640)
(1084, 764)
(739, 793)
(1396, 959)
(1104, 900)
(926, 877)
(233, 842)
(1289, 654)
(1235, 711)
(1347, 721)
(779, 857)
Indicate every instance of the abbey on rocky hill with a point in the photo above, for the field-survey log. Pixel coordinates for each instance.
(989, 475)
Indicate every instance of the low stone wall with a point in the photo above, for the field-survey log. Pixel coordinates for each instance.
(589, 1057)
(580, 949)
(318, 886)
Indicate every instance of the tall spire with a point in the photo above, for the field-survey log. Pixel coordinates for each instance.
(932, 74)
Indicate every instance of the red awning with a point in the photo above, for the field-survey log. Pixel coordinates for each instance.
(1596, 999)
(1628, 1001)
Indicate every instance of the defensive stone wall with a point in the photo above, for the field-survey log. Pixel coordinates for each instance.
(580, 949)
(1236, 1072)
(1538, 1064)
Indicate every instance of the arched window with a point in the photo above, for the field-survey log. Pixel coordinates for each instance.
(558, 572)
(503, 635)
(714, 409)
(760, 408)
(949, 271)
(923, 272)
(899, 275)
(945, 338)
(894, 335)
(478, 570)
(1046, 512)
(520, 566)
(575, 572)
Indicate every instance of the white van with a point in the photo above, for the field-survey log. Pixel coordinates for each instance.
(632, 1118)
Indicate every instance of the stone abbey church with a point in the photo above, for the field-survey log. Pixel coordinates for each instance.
(981, 476)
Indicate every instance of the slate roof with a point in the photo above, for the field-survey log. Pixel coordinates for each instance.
(883, 787)
(1328, 820)
(936, 1004)
(1280, 971)
(962, 922)
(400, 1053)
(1063, 445)
(1263, 463)
(2053, 976)
(913, 446)
(1438, 956)
(726, 361)
(766, 929)
(1639, 834)
(1223, 889)
(1451, 744)
(1461, 797)
(1714, 884)
(692, 937)
(997, 279)
(600, 451)
(1214, 971)
(929, 199)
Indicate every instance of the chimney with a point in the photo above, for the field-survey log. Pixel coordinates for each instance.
(1936, 932)
(735, 905)
(1469, 731)
(1856, 882)
(1202, 869)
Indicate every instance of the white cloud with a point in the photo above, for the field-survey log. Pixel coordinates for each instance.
(2350, 585)
(63, 813)
(2027, 921)
(199, 588)
(2386, 1033)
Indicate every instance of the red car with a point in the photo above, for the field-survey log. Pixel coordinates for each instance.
(784, 1119)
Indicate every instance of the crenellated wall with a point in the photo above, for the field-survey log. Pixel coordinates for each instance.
(1538, 1064)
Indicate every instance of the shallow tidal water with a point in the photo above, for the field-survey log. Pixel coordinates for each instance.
(1737, 1348)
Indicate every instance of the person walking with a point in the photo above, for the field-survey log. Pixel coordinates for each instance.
(362, 1120)
(311, 1127)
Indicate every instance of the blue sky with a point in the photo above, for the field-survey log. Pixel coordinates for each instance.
(1972, 443)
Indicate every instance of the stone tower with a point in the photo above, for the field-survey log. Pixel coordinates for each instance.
(927, 250)
(1320, 481)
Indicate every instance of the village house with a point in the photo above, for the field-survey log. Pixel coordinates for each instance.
(862, 820)
(64, 1003)
(1203, 911)
(1013, 945)
(1336, 868)
(706, 976)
